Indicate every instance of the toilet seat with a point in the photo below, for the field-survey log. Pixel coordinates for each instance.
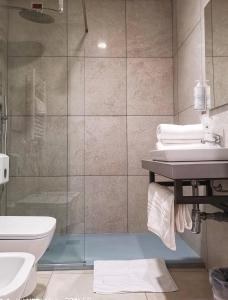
(25, 228)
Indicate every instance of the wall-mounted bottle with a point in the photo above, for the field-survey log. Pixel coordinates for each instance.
(200, 97)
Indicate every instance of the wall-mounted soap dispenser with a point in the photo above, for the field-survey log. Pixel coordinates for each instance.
(200, 101)
(4, 168)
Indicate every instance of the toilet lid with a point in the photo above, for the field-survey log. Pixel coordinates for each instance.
(22, 228)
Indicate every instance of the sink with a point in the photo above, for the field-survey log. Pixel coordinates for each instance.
(15, 268)
(211, 154)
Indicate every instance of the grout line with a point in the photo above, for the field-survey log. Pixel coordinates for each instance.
(67, 123)
(126, 77)
(103, 57)
(90, 116)
(79, 175)
(84, 152)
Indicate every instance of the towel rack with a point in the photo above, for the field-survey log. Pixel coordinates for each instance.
(181, 174)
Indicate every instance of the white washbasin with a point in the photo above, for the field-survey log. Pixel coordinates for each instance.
(210, 154)
(15, 268)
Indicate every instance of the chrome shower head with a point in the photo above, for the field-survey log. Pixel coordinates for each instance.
(36, 16)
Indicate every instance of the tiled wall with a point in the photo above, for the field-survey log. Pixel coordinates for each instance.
(103, 106)
(189, 63)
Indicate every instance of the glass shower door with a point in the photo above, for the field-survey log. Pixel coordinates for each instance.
(39, 137)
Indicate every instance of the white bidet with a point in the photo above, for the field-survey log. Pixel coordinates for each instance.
(15, 269)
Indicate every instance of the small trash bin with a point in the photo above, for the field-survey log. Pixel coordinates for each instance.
(219, 282)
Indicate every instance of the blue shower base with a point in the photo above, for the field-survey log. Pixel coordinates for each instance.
(75, 248)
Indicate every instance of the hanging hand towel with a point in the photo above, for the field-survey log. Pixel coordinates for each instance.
(183, 218)
(161, 214)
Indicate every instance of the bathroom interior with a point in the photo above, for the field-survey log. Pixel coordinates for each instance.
(85, 87)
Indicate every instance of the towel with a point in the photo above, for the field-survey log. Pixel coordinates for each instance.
(180, 132)
(183, 218)
(126, 276)
(161, 214)
(164, 218)
(179, 141)
(165, 146)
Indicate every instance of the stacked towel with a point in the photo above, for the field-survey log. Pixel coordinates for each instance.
(180, 133)
(172, 136)
(163, 218)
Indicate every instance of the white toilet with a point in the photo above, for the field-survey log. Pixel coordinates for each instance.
(27, 234)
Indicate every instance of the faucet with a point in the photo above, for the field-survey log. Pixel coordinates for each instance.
(213, 138)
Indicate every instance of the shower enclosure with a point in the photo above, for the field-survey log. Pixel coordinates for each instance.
(75, 142)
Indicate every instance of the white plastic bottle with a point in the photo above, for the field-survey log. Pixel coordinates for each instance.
(199, 97)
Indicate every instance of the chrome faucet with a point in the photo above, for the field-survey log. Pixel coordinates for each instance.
(212, 138)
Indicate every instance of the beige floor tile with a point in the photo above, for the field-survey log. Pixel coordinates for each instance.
(79, 286)
(192, 284)
(42, 283)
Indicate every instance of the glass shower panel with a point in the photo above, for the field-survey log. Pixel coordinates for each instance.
(3, 85)
(39, 140)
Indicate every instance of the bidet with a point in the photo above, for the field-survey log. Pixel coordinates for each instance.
(15, 269)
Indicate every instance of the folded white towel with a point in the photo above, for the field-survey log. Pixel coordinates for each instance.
(132, 276)
(161, 214)
(179, 142)
(180, 132)
(164, 146)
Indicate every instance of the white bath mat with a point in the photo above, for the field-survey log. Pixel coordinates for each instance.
(126, 276)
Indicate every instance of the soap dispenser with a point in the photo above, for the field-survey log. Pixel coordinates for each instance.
(199, 96)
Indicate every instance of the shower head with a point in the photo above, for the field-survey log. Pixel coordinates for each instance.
(36, 16)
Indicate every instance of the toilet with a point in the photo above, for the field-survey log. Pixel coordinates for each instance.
(27, 234)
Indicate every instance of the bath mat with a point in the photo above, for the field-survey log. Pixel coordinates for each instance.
(126, 276)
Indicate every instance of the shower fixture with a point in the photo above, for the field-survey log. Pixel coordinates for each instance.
(36, 13)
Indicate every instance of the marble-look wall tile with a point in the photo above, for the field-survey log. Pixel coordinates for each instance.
(36, 152)
(76, 205)
(175, 84)
(189, 116)
(149, 28)
(220, 27)
(137, 203)
(76, 147)
(106, 21)
(105, 86)
(188, 14)
(220, 65)
(76, 86)
(76, 28)
(174, 24)
(189, 68)
(39, 196)
(106, 197)
(105, 146)
(32, 77)
(149, 86)
(141, 139)
(28, 38)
